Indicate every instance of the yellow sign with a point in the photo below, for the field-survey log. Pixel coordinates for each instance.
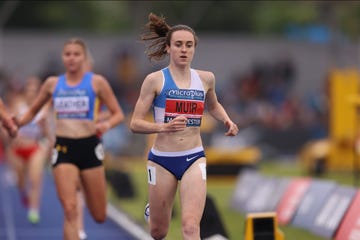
(262, 226)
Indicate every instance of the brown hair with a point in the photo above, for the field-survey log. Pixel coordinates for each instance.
(159, 34)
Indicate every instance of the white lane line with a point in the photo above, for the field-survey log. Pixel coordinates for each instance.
(122, 220)
(7, 208)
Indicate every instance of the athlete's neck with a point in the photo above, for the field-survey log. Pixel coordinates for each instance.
(74, 77)
(180, 75)
(179, 69)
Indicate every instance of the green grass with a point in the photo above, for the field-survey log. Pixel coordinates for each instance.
(220, 189)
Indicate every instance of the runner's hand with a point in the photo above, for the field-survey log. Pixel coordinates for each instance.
(10, 125)
(177, 124)
(232, 129)
(102, 127)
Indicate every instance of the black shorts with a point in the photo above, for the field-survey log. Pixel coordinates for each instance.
(82, 152)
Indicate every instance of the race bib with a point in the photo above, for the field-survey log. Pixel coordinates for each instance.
(77, 106)
(185, 102)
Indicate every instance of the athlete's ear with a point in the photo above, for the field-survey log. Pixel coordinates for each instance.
(167, 49)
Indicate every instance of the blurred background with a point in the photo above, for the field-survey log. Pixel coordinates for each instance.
(273, 61)
(277, 54)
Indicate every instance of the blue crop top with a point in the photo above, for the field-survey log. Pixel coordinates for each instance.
(75, 102)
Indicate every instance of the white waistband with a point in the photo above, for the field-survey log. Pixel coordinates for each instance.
(178, 153)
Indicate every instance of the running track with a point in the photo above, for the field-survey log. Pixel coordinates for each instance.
(14, 224)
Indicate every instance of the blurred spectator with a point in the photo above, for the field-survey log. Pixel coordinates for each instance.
(263, 98)
(125, 79)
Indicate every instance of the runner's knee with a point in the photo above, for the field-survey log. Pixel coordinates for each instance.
(190, 227)
(158, 233)
(70, 210)
(99, 217)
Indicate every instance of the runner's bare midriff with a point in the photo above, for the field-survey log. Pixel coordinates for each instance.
(73, 128)
(178, 141)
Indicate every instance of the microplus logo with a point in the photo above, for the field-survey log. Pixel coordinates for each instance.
(187, 93)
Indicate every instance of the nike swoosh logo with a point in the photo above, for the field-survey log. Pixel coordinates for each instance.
(192, 158)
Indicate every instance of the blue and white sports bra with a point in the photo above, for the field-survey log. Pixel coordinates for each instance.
(173, 102)
(75, 102)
